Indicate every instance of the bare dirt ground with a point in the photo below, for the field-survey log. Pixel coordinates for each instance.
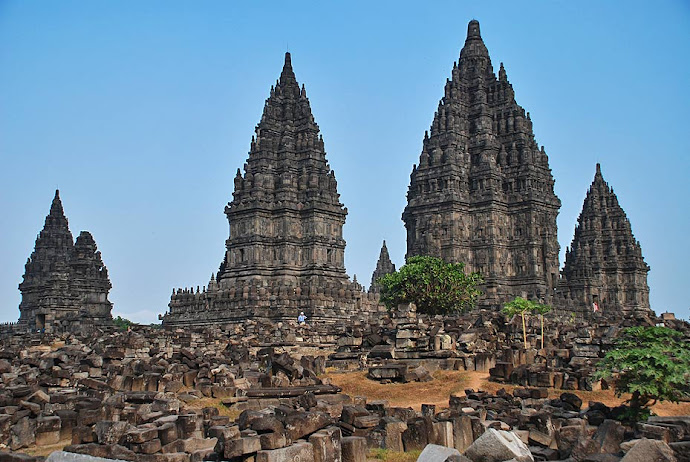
(446, 383)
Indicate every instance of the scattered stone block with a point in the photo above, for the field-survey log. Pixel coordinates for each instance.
(354, 449)
(498, 446)
(300, 451)
(437, 453)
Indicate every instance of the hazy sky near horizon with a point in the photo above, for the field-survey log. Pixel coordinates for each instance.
(141, 113)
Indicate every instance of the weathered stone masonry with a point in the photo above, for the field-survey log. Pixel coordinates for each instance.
(65, 283)
(482, 193)
(285, 252)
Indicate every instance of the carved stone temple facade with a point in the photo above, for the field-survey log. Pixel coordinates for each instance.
(604, 264)
(285, 252)
(482, 193)
(65, 283)
(384, 266)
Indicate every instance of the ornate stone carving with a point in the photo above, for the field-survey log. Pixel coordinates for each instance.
(285, 252)
(383, 266)
(65, 284)
(604, 264)
(482, 193)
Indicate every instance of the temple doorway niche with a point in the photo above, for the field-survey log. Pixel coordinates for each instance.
(40, 321)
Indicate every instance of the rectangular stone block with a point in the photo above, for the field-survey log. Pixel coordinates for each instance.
(299, 452)
(141, 435)
(462, 433)
(354, 449)
(327, 445)
(272, 440)
(242, 446)
(443, 434)
(394, 429)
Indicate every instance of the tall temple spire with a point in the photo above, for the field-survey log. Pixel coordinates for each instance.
(63, 279)
(286, 223)
(55, 237)
(604, 264)
(482, 193)
(384, 266)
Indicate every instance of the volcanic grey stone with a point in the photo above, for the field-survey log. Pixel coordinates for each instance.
(650, 451)
(436, 453)
(62, 456)
(297, 452)
(497, 446)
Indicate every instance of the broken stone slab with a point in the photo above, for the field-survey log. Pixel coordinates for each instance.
(18, 457)
(393, 429)
(498, 446)
(272, 441)
(650, 450)
(681, 450)
(190, 445)
(609, 436)
(242, 446)
(62, 456)
(297, 452)
(106, 451)
(109, 432)
(437, 453)
(327, 445)
(300, 424)
(417, 434)
(443, 434)
(286, 392)
(354, 449)
(462, 433)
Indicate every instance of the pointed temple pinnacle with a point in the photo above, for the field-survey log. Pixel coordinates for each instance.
(287, 76)
(56, 206)
(473, 30)
(598, 177)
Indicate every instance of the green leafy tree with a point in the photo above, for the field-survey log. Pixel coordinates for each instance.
(541, 310)
(651, 363)
(122, 323)
(436, 287)
(519, 306)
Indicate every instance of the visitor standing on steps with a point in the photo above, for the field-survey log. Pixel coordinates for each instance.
(301, 319)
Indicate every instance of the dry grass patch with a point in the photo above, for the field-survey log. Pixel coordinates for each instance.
(412, 394)
(448, 383)
(387, 455)
(201, 403)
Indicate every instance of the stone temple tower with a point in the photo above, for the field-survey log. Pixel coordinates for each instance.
(286, 219)
(384, 266)
(604, 264)
(285, 252)
(483, 193)
(65, 284)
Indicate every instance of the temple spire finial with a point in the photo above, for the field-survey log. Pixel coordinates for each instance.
(287, 76)
(473, 29)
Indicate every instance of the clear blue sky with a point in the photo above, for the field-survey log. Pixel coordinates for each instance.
(141, 112)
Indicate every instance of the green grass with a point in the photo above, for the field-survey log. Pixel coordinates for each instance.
(387, 455)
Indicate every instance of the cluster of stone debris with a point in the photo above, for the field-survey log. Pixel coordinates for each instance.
(135, 396)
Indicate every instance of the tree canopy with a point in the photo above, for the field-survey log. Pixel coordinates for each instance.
(434, 286)
(652, 363)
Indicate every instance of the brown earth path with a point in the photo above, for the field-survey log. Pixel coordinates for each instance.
(446, 383)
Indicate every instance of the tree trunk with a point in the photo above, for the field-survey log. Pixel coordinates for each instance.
(542, 331)
(524, 331)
